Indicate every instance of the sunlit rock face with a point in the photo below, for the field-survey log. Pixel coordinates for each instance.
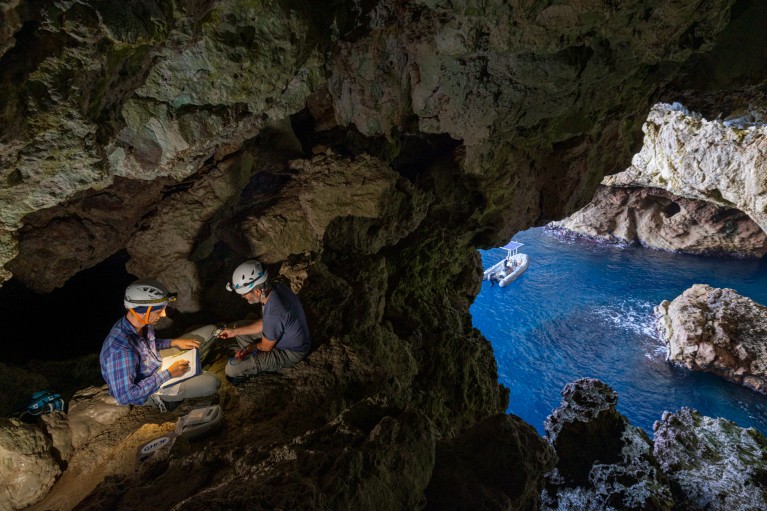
(712, 463)
(364, 151)
(658, 219)
(717, 331)
(722, 162)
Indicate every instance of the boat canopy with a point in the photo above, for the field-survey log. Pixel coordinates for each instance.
(512, 246)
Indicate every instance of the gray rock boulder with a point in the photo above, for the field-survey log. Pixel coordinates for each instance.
(712, 463)
(27, 468)
(717, 331)
(604, 462)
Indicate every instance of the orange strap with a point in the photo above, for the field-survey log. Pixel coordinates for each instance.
(145, 319)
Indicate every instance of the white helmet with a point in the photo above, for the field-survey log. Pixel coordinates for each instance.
(147, 293)
(247, 276)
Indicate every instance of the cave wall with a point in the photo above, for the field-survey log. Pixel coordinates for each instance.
(364, 150)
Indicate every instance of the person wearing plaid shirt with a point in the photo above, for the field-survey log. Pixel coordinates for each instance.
(130, 358)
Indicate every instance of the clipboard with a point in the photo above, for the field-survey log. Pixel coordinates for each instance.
(192, 356)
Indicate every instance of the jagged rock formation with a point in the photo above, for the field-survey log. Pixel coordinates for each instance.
(717, 331)
(693, 462)
(430, 128)
(712, 463)
(604, 461)
(714, 161)
(658, 219)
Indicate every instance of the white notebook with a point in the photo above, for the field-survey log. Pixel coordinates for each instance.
(192, 356)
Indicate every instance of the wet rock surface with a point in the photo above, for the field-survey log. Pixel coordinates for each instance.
(718, 331)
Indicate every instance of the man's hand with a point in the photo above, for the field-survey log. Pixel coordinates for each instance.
(226, 333)
(178, 368)
(185, 344)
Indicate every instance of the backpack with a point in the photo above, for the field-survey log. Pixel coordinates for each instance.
(44, 401)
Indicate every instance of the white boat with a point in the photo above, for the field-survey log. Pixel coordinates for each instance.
(505, 271)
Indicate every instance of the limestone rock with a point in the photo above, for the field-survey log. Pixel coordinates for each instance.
(56, 243)
(140, 91)
(329, 188)
(659, 219)
(320, 191)
(712, 463)
(177, 229)
(496, 464)
(696, 158)
(56, 426)
(27, 468)
(92, 411)
(604, 461)
(717, 331)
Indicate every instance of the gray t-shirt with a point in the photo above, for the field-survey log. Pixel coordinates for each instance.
(285, 321)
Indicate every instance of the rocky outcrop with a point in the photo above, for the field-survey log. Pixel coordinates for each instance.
(658, 219)
(712, 464)
(717, 331)
(604, 461)
(472, 472)
(722, 162)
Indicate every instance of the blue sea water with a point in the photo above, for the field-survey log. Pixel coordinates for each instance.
(586, 310)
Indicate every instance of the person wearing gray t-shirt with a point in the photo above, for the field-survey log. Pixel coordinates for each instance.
(280, 339)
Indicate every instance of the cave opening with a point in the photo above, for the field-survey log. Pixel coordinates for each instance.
(85, 309)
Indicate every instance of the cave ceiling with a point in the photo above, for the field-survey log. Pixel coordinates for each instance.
(113, 112)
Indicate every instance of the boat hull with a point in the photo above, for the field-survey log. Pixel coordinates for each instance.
(498, 273)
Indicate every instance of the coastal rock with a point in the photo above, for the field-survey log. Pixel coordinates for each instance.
(496, 464)
(659, 219)
(712, 464)
(717, 331)
(27, 468)
(714, 161)
(604, 461)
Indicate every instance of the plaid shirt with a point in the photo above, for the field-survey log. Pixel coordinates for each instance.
(130, 363)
